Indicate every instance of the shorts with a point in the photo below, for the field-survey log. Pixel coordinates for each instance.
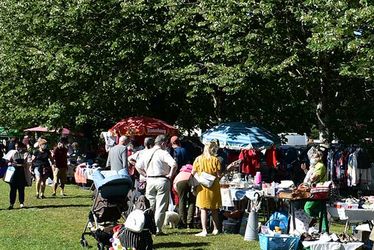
(60, 174)
(41, 173)
(37, 172)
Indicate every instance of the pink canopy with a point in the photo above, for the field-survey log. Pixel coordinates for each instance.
(64, 131)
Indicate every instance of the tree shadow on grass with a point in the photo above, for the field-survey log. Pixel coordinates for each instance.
(48, 206)
(56, 206)
(193, 245)
(70, 197)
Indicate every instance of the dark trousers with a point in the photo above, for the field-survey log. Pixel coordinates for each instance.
(13, 193)
(187, 200)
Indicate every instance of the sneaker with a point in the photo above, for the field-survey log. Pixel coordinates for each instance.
(201, 234)
(21, 205)
(10, 207)
(42, 197)
(215, 232)
(63, 194)
(53, 195)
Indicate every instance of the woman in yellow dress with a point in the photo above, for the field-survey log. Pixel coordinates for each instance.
(208, 198)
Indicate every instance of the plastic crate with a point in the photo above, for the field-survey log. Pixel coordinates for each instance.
(278, 242)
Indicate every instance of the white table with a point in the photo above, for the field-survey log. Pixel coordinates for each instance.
(351, 215)
(322, 245)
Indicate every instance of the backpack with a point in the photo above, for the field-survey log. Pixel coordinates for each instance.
(135, 221)
(138, 208)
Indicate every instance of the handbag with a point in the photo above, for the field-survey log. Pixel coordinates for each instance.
(9, 174)
(205, 179)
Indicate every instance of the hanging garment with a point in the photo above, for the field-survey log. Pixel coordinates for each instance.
(362, 159)
(352, 171)
(250, 161)
(271, 157)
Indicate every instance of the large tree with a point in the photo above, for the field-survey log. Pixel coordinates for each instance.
(289, 65)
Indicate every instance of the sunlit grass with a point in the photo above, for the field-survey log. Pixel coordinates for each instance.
(57, 223)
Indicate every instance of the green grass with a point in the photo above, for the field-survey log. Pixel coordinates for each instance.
(57, 223)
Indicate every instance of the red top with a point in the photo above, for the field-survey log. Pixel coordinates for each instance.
(250, 161)
(271, 157)
(60, 156)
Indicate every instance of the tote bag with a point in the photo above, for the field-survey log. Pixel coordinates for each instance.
(9, 174)
(206, 179)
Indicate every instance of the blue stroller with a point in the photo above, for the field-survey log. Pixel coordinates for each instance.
(110, 202)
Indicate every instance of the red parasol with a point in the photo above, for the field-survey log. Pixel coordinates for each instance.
(143, 126)
(63, 131)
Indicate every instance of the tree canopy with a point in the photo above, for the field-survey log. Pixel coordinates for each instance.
(290, 65)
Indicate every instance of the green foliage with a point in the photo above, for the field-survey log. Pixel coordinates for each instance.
(288, 65)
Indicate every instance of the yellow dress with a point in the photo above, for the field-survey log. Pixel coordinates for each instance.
(209, 198)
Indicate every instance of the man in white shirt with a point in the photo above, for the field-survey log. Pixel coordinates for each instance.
(140, 184)
(159, 167)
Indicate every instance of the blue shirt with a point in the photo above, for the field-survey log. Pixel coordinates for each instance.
(181, 156)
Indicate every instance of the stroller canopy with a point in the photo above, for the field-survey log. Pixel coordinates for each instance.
(112, 183)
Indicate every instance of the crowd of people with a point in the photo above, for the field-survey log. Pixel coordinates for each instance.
(27, 161)
(165, 170)
(162, 170)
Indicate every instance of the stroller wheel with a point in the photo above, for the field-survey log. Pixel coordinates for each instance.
(84, 243)
(100, 246)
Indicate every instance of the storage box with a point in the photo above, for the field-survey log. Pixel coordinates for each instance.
(278, 242)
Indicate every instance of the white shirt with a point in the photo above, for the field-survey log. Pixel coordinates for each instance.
(161, 164)
(136, 157)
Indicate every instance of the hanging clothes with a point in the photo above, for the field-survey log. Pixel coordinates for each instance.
(250, 161)
(352, 171)
(362, 159)
(271, 157)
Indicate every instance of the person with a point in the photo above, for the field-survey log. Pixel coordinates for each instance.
(221, 154)
(187, 199)
(41, 167)
(140, 183)
(159, 167)
(12, 144)
(17, 158)
(181, 155)
(208, 198)
(317, 173)
(60, 156)
(117, 158)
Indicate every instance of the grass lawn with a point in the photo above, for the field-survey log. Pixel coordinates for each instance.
(57, 223)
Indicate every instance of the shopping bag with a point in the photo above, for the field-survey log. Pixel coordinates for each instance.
(206, 179)
(9, 174)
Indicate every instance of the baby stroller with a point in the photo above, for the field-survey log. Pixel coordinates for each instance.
(110, 201)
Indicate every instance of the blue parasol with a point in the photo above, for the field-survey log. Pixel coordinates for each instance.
(238, 135)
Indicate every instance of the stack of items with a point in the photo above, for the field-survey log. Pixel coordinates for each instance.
(325, 237)
(321, 191)
(235, 180)
(314, 240)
